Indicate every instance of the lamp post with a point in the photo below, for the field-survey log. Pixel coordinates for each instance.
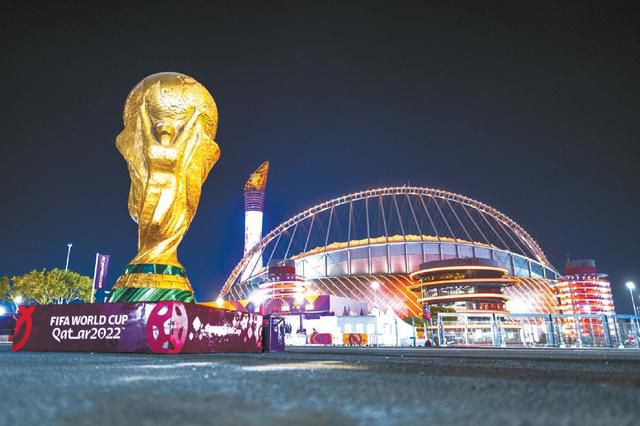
(66, 267)
(375, 285)
(631, 286)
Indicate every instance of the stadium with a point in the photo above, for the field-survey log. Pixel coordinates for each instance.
(369, 245)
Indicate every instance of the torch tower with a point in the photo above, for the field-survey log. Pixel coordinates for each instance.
(254, 191)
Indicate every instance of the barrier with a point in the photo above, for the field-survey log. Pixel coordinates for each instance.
(538, 330)
(155, 327)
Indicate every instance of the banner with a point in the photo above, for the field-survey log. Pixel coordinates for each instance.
(320, 339)
(355, 339)
(426, 312)
(100, 271)
(162, 327)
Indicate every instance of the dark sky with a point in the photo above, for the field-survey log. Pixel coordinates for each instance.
(532, 108)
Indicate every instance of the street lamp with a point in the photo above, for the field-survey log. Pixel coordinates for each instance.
(631, 286)
(375, 285)
(220, 301)
(66, 267)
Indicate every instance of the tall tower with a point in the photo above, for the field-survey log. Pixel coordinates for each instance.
(253, 207)
(583, 290)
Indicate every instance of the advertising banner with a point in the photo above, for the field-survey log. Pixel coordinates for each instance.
(320, 339)
(426, 312)
(355, 339)
(162, 327)
(100, 271)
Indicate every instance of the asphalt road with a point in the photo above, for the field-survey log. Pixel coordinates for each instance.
(323, 386)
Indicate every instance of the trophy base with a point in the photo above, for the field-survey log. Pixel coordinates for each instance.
(152, 283)
(150, 295)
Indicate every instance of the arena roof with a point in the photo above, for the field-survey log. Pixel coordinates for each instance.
(400, 215)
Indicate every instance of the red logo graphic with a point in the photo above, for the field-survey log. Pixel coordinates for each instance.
(23, 325)
(320, 338)
(167, 327)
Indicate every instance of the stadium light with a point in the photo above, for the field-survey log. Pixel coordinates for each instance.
(631, 286)
(256, 298)
(66, 266)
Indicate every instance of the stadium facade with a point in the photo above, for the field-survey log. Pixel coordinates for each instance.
(368, 245)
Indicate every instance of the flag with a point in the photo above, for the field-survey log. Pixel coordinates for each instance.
(100, 271)
(426, 312)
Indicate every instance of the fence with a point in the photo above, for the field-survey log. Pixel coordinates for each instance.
(538, 330)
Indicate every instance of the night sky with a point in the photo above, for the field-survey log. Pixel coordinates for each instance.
(531, 108)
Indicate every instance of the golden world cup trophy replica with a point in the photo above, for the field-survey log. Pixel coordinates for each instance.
(170, 123)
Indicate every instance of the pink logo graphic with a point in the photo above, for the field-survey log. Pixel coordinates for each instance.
(167, 327)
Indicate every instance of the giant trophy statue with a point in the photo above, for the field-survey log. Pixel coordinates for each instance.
(170, 123)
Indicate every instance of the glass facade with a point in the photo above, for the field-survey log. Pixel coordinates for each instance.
(405, 258)
(465, 284)
(348, 272)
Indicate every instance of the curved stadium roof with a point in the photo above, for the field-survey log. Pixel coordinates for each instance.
(330, 239)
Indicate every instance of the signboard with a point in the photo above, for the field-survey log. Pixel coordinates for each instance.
(355, 339)
(100, 271)
(160, 327)
(426, 312)
(273, 333)
(320, 339)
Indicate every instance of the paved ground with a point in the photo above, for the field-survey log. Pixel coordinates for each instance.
(323, 386)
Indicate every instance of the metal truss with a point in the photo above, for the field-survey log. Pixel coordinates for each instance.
(521, 240)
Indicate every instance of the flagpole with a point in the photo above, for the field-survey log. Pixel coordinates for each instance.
(93, 284)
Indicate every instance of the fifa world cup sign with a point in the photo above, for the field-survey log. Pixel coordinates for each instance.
(160, 327)
(170, 123)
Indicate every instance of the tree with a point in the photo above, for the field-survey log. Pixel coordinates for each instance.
(55, 286)
(5, 284)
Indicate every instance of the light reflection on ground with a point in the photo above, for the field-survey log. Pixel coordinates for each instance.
(310, 365)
